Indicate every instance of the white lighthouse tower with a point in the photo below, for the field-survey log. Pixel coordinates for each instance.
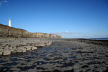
(9, 22)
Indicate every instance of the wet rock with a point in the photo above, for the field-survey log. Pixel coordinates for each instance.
(61, 55)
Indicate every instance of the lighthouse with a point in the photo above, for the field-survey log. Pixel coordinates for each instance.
(9, 22)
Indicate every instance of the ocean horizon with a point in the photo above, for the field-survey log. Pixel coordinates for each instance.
(89, 38)
(99, 38)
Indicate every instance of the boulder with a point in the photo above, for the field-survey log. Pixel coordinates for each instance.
(6, 52)
(33, 48)
(1, 53)
(21, 49)
(24, 49)
(28, 48)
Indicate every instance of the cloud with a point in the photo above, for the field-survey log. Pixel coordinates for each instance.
(2, 2)
(80, 35)
(66, 32)
(5, 1)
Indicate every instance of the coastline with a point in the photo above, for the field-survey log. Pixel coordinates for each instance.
(61, 55)
(10, 46)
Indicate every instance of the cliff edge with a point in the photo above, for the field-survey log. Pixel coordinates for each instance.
(6, 31)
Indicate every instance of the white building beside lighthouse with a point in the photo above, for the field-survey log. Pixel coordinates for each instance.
(9, 22)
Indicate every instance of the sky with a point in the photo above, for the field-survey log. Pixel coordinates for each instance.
(68, 18)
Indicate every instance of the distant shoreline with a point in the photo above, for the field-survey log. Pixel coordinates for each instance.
(88, 38)
(99, 38)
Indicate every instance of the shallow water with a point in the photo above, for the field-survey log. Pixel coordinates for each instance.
(60, 56)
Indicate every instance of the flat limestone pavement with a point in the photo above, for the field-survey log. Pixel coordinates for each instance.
(14, 45)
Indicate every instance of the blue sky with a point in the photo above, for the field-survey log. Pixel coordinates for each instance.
(69, 18)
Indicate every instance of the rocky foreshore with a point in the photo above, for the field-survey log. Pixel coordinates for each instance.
(63, 55)
(16, 45)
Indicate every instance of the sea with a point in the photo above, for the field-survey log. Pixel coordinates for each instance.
(99, 38)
